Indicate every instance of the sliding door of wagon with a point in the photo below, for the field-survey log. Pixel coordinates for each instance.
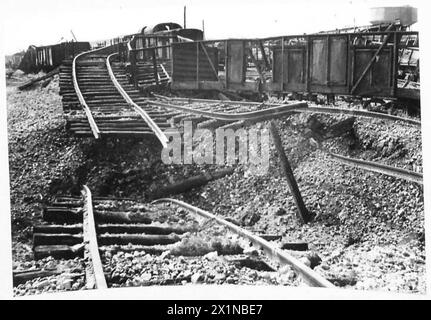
(328, 64)
(194, 66)
(235, 64)
(289, 72)
(378, 79)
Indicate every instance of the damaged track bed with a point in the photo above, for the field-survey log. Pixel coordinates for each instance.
(168, 242)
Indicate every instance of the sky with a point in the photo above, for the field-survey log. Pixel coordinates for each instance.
(46, 22)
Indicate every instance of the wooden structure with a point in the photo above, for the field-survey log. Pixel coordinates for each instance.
(360, 64)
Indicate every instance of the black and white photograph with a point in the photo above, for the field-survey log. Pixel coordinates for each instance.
(230, 149)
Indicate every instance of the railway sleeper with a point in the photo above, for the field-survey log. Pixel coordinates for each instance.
(110, 228)
(70, 252)
(58, 251)
(104, 239)
(68, 215)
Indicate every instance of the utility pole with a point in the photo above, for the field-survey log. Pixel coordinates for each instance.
(185, 17)
(203, 29)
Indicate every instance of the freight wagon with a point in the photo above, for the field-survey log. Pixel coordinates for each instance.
(47, 58)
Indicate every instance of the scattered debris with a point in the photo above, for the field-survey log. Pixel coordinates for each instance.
(33, 81)
(190, 183)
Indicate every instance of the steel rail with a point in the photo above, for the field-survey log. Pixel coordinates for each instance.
(360, 113)
(274, 111)
(150, 122)
(323, 110)
(90, 241)
(308, 275)
(378, 167)
(93, 125)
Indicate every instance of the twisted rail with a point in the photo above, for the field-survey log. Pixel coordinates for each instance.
(95, 276)
(323, 110)
(308, 275)
(252, 115)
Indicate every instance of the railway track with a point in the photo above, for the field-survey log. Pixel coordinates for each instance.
(262, 111)
(309, 277)
(196, 245)
(112, 106)
(191, 106)
(99, 100)
(93, 104)
(109, 232)
(217, 113)
(124, 242)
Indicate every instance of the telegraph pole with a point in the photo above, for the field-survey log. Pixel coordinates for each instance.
(185, 8)
(203, 29)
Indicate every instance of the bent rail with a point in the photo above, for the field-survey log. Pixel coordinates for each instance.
(323, 110)
(90, 240)
(153, 126)
(308, 275)
(274, 111)
(81, 99)
(379, 168)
